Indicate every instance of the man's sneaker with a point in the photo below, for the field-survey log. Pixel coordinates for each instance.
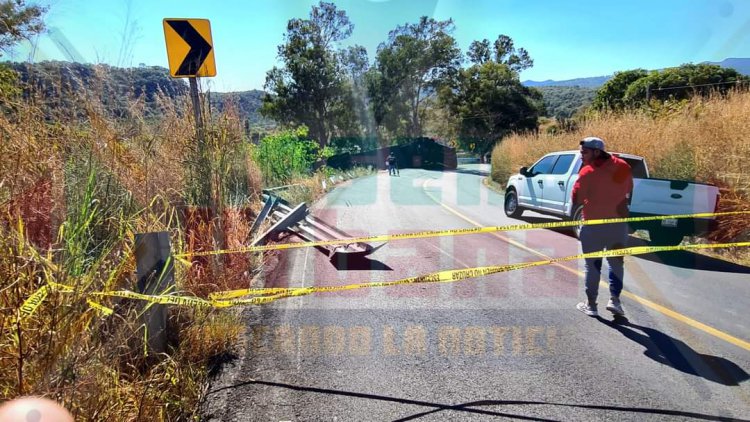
(615, 307)
(587, 309)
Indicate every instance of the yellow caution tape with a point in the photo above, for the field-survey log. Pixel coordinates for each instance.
(453, 232)
(449, 275)
(158, 299)
(30, 305)
(267, 295)
(61, 287)
(99, 307)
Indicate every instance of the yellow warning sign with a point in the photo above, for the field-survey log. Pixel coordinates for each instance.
(189, 48)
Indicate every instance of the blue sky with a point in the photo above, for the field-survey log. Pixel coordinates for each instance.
(566, 39)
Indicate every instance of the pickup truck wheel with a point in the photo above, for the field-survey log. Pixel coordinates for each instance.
(665, 238)
(578, 216)
(512, 209)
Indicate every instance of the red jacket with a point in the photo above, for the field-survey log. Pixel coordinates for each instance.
(602, 188)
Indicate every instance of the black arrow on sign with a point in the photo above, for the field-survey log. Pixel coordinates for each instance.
(199, 48)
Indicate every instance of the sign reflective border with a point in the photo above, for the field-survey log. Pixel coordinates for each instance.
(189, 48)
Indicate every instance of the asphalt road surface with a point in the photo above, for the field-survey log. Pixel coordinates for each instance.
(509, 345)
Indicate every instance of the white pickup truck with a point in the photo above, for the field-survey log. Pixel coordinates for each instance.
(546, 187)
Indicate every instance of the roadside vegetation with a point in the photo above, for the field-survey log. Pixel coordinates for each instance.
(74, 193)
(81, 173)
(78, 182)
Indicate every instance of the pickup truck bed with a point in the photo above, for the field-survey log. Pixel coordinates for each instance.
(546, 187)
(669, 197)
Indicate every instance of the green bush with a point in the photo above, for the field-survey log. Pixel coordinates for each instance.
(9, 88)
(287, 155)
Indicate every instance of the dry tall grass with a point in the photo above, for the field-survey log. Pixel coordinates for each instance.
(704, 140)
(73, 192)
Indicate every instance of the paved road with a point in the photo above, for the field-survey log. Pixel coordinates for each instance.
(509, 345)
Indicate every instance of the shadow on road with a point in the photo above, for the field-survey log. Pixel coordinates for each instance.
(678, 259)
(470, 171)
(568, 231)
(675, 353)
(358, 263)
(473, 407)
(689, 260)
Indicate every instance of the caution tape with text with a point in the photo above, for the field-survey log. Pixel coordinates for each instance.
(455, 232)
(266, 295)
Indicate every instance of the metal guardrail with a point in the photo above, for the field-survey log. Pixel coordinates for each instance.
(299, 222)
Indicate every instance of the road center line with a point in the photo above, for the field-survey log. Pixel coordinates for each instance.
(645, 302)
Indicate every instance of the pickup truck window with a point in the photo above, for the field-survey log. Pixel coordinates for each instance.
(577, 167)
(544, 166)
(637, 166)
(563, 164)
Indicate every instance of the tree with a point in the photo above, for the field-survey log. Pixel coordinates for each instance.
(503, 51)
(479, 52)
(409, 67)
(18, 21)
(439, 122)
(611, 95)
(681, 83)
(564, 102)
(506, 53)
(8, 83)
(491, 103)
(356, 120)
(634, 88)
(310, 89)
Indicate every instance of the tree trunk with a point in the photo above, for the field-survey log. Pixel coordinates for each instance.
(415, 130)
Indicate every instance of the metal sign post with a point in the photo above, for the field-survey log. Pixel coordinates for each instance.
(191, 55)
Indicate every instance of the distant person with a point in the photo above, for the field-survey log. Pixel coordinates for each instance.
(33, 409)
(392, 167)
(603, 186)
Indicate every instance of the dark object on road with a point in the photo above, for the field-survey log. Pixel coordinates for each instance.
(420, 153)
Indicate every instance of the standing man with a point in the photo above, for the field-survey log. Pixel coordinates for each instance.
(603, 187)
(391, 161)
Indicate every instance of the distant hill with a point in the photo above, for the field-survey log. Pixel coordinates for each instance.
(741, 65)
(57, 84)
(116, 88)
(592, 82)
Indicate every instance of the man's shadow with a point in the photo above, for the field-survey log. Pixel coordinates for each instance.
(672, 352)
